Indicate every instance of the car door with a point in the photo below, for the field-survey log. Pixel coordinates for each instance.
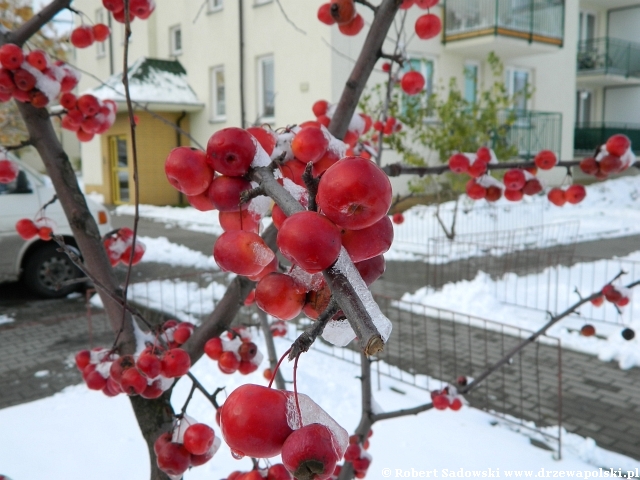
(18, 199)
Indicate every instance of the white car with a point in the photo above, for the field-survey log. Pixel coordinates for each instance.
(37, 263)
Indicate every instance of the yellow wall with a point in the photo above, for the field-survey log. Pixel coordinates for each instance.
(154, 141)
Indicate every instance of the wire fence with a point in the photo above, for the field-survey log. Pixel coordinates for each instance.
(429, 348)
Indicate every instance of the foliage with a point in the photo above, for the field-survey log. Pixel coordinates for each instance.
(445, 122)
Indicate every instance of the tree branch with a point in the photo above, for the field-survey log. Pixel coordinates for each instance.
(368, 4)
(361, 72)
(29, 28)
(402, 413)
(397, 169)
(306, 338)
(271, 349)
(505, 359)
(22, 144)
(350, 302)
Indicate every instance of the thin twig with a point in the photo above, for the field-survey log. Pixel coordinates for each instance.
(286, 17)
(312, 186)
(22, 144)
(209, 396)
(189, 397)
(396, 169)
(78, 263)
(306, 338)
(367, 4)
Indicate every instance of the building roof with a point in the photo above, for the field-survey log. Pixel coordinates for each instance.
(160, 85)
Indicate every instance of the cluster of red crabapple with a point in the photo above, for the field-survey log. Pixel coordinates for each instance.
(188, 444)
(31, 77)
(357, 454)
(311, 449)
(148, 373)
(275, 472)
(237, 353)
(617, 295)
(118, 245)
(350, 22)
(8, 169)
(28, 229)
(84, 36)
(448, 397)
(353, 195)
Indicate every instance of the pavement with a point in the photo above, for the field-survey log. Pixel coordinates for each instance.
(599, 400)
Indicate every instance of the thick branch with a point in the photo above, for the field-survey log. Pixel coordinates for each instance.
(345, 294)
(361, 72)
(83, 225)
(29, 28)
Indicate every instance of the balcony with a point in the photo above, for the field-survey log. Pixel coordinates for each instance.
(530, 132)
(589, 135)
(607, 61)
(510, 28)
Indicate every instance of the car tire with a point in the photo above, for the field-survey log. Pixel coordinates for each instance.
(46, 268)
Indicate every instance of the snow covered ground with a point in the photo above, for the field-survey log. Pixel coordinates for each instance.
(81, 434)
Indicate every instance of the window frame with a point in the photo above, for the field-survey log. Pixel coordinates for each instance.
(101, 47)
(426, 63)
(261, 88)
(471, 64)
(214, 116)
(510, 73)
(173, 50)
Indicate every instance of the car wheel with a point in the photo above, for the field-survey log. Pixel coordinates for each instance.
(46, 270)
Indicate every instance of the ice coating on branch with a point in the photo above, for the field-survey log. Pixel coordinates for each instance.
(96, 356)
(298, 192)
(178, 432)
(345, 266)
(313, 413)
(307, 280)
(336, 146)
(142, 338)
(260, 159)
(338, 333)
(260, 205)
(283, 145)
(487, 181)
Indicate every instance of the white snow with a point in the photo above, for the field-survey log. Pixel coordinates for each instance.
(6, 319)
(79, 433)
(161, 250)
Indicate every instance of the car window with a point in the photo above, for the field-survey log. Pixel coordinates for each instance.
(20, 185)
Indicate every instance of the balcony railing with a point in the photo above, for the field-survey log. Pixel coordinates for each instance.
(531, 20)
(589, 135)
(608, 56)
(530, 132)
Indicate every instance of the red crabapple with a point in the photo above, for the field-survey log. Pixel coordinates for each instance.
(313, 253)
(230, 151)
(428, 26)
(198, 438)
(545, 160)
(354, 193)
(557, 197)
(412, 83)
(310, 452)
(280, 296)
(242, 252)
(459, 163)
(618, 144)
(351, 29)
(187, 170)
(575, 194)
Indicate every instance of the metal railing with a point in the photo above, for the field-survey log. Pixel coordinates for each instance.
(588, 136)
(608, 56)
(532, 20)
(531, 131)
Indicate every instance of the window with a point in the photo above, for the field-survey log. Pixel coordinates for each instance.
(587, 26)
(215, 5)
(471, 82)
(518, 87)
(100, 46)
(266, 88)
(218, 99)
(583, 107)
(175, 37)
(425, 67)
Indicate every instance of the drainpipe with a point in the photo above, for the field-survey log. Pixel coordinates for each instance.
(241, 32)
(111, 66)
(179, 144)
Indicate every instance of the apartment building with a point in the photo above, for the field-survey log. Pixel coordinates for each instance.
(211, 64)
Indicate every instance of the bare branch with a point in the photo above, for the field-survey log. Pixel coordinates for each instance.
(397, 169)
(306, 338)
(271, 349)
(359, 318)
(507, 356)
(367, 4)
(286, 17)
(402, 413)
(367, 59)
(312, 186)
(29, 28)
(22, 144)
